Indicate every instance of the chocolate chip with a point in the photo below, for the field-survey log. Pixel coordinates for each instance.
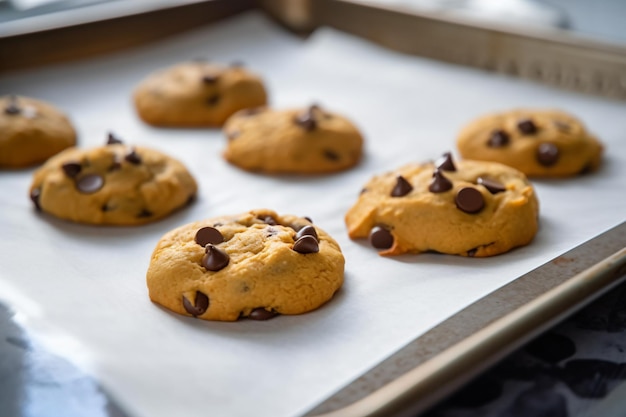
(35, 194)
(215, 258)
(133, 157)
(498, 139)
(445, 162)
(562, 126)
(307, 120)
(307, 231)
(233, 134)
(331, 155)
(271, 231)
(208, 235)
(115, 165)
(268, 220)
(363, 191)
(527, 127)
(71, 169)
(493, 186)
(210, 78)
(547, 154)
(199, 307)
(12, 108)
(381, 238)
(89, 183)
(439, 183)
(469, 200)
(308, 219)
(402, 187)
(306, 244)
(105, 207)
(113, 140)
(472, 252)
(144, 213)
(260, 313)
(213, 100)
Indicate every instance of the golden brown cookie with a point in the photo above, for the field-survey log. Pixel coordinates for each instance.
(114, 184)
(31, 131)
(197, 94)
(540, 143)
(256, 265)
(467, 208)
(301, 141)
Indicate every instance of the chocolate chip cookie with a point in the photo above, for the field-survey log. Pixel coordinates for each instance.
(540, 143)
(197, 94)
(113, 184)
(256, 265)
(467, 208)
(31, 131)
(299, 141)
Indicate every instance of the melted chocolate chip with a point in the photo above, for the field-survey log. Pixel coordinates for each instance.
(493, 186)
(113, 140)
(472, 252)
(331, 155)
(527, 127)
(547, 154)
(210, 78)
(271, 231)
(498, 139)
(307, 120)
(115, 165)
(89, 183)
(208, 235)
(35, 194)
(469, 200)
(12, 108)
(71, 169)
(306, 244)
(215, 258)
(144, 213)
(439, 183)
(381, 238)
(199, 307)
(445, 163)
(213, 100)
(402, 187)
(307, 231)
(260, 313)
(268, 220)
(133, 157)
(106, 207)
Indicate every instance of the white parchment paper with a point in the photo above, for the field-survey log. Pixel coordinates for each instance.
(84, 287)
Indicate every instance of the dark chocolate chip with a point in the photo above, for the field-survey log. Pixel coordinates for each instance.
(498, 139)
(113, 140)
(210, 78)
(562, 126)
(35, 194)
(547, 154)
(261, 314)
(12, 108)
(199, 307)
(527, 127)
(307, 231)
(445, 163)
(493, 186)
(133, 157)
(115, 165)
(381, 238)
(271, 231)
(215, 258)
(363, 191)
(306, 244)
(71, 169)
(307, 119)
(105, 207)
(402, 187)
(213, 100)
(144, 213)
(89, 183)
(268, 220)
(439, 183)
(331, 155)
(308, 219)
(469, 200)
(472, 252)
(208, 235)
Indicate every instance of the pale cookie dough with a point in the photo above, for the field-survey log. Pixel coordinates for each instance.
(196, 94)
(31, 131)
(540, 143)
(114, 184)
(299, 141)
(255, 265)
(467, 208)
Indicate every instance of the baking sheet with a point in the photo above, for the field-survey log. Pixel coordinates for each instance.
(82, 289)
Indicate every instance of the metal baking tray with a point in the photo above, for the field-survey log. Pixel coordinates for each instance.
(440, 360)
